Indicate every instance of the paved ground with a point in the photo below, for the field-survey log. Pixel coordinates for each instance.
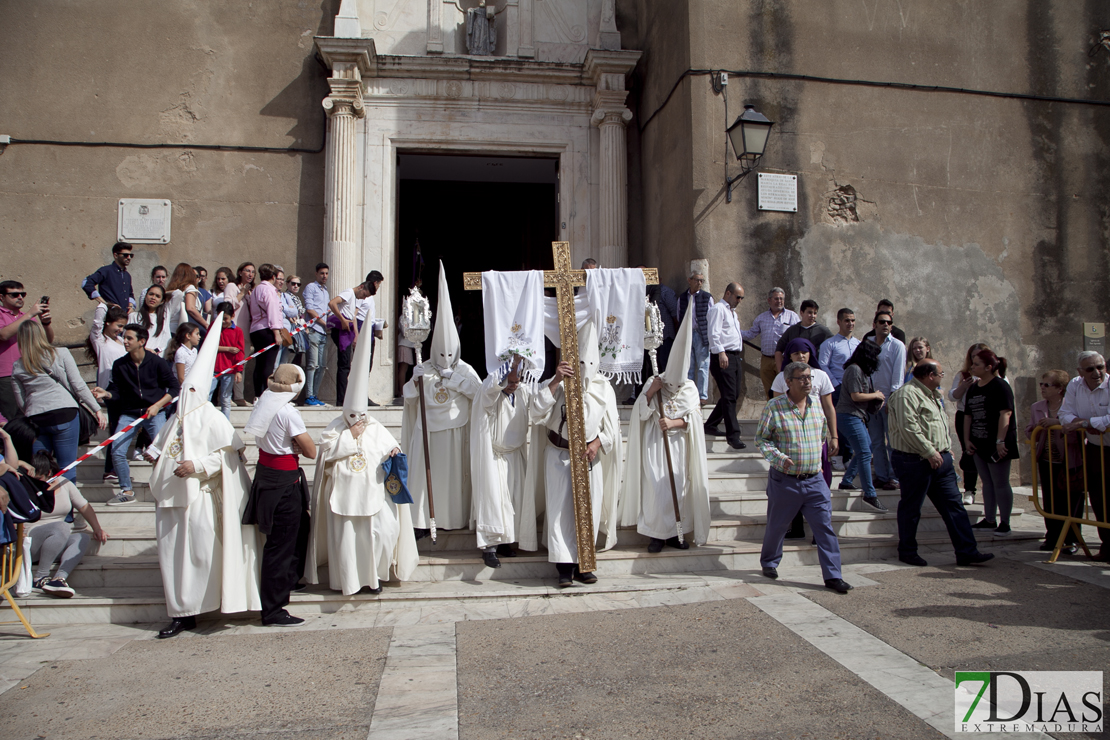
(711, 655)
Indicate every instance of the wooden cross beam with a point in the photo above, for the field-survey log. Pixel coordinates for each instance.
(564, 279)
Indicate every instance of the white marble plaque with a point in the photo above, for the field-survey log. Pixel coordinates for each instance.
(778, 192)
(144, 221)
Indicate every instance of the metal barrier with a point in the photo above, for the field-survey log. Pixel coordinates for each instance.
(11, 562)
(1086, 497)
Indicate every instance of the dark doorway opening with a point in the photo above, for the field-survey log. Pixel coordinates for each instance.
(475, 213)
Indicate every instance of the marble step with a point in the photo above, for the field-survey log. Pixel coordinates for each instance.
(463, 575)
(137, 536)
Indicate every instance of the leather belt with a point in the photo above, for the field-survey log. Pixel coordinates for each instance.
(801, 476)
(557, 440)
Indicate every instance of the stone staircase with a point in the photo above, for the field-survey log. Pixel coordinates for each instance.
(120, 581)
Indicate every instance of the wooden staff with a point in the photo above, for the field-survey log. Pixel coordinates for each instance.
(427, 455)
(667, 448)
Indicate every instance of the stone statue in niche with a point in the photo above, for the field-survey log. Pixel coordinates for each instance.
(481, 30)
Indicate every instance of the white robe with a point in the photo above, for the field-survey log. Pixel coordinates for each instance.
(357, 530)
(646, 497)
(498, 464)
(447, 405)
(549, 473)
(209, 559)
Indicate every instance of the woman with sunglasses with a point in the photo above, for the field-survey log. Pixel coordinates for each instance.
(1059, 463)
(991, 434)
(293, 308)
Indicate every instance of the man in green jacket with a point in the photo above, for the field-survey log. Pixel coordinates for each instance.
(921, 453)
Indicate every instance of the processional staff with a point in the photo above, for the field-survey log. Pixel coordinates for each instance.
(416, 324)
(653, 339)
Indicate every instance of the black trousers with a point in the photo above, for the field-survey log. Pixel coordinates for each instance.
(342, 367)
(265, 363)
(728, 385)
(283, 557)
(1096, 459)
(1054, 498)
(967, 462)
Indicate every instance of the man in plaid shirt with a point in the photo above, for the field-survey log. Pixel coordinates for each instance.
(791, 434)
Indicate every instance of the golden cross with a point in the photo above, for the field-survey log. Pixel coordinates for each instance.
(564, 280)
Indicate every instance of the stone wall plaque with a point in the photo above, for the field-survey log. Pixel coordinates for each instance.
(144, 221)
(778, 192)
(1094, 337)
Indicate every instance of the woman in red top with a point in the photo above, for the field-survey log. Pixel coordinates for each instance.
(231, 352)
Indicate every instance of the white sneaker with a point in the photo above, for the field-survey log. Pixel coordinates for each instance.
(137, 455)
(969, 500)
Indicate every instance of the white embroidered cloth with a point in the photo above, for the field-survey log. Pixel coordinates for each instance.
(512, 303)
(616, 298)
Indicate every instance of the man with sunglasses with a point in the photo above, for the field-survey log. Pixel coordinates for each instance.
(888, 378)
(111, 284)
(1087, 406)
(12, 315)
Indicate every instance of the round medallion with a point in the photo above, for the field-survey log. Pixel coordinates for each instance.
(442, 395)
(358, 462)
(454, 89)
(175, 448)
(393, 485)
(506, 90)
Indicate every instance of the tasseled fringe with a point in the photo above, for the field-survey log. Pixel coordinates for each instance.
(529, 372)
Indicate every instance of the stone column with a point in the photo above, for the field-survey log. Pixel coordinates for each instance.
(349, 60)
(608, 70)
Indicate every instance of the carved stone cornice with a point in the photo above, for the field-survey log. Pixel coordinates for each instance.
(345, 98)
(608, 69)
(348, 58)
(469, 68)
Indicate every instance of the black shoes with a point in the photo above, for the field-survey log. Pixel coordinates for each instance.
(566, 574)
(736, 444)
(505, 551)
(977, 559)
(586, 578)
(713, 431)
(298, 588)
(887, 485)
(673, 542)
(367, 590)
(913, 559)
(839, 585)
(283, 620)
(848, 486)
(490, 559)
(875, 504)
(177, 626)
(421, 533)
(792, 535)
(984, 524)
(771, 573)
(656, 545)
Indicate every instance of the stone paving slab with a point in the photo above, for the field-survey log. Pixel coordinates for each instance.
(720, 669)
(284, 684)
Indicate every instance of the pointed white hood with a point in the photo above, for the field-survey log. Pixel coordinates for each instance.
(197, 388)
(678, 364)
(354, 403)
(445, 337)
(589, 353)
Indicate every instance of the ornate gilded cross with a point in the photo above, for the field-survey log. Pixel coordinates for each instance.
(564, 280)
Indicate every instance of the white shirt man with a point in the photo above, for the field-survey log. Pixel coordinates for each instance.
(1087, 406)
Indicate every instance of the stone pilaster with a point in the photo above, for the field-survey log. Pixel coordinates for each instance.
(608, 70)
(349, 60)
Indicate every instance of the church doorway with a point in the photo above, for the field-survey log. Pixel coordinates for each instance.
(475, 213)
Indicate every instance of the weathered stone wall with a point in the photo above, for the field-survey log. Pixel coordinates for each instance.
(982, 218)
(189, 72)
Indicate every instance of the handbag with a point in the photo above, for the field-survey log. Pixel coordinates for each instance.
(89, 422)
(286, 338)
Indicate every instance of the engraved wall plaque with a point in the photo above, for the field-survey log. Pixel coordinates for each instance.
(143, 221)
(778, 192)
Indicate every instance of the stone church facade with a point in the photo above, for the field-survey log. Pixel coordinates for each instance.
(275, 130)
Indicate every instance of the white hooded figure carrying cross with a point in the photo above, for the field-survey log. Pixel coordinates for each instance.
(647, 502)
(209, 560)
(450, 385)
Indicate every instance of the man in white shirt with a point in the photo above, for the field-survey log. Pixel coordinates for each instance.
(836, 350)
(345, 307)
(725, 353)
(888, 378)
(1087, 406)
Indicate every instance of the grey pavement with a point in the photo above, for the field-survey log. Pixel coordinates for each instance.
(709, 655)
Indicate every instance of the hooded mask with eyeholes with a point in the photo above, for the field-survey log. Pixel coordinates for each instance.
(589, 352)
(445, 337)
